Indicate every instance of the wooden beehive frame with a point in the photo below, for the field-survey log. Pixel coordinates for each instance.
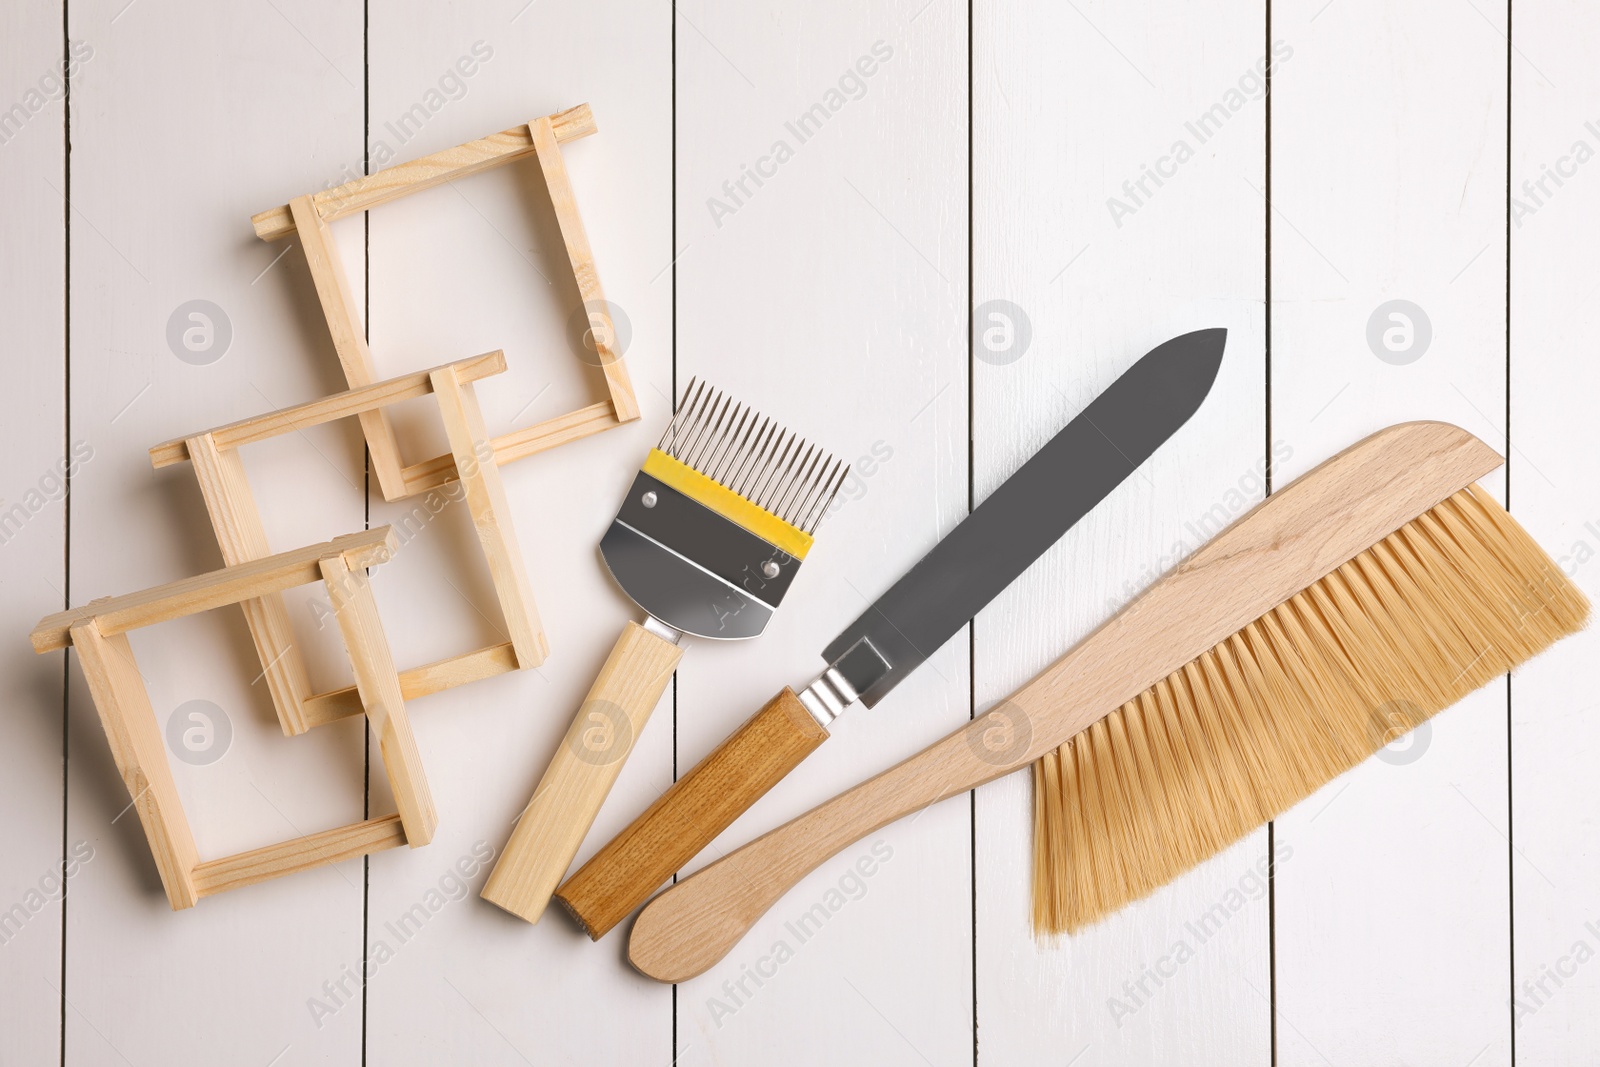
(310, 215)
(220, 470)
(99, 633)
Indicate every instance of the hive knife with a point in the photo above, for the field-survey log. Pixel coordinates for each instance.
(985, 552)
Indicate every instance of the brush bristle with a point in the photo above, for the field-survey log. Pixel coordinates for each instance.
(1454, 598)
(735, 446)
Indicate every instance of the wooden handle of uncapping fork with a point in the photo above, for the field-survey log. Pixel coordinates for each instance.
(697, 808)
(553, 825)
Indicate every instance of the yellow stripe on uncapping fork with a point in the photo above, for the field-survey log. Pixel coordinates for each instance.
(725, 502)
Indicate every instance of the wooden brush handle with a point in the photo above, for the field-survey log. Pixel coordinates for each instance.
(697, 808)
(1293, 539)
(581, 773)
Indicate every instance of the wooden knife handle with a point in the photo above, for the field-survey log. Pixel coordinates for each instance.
(581, 773)
(697, 808)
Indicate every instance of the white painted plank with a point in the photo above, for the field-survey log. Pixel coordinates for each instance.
(1388, 182)
(466, 268)
(829, 294)
(32, 530)
(187, 121)
(1556, 922)
(1069, 103)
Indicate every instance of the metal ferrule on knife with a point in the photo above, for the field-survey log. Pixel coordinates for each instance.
(842, 684)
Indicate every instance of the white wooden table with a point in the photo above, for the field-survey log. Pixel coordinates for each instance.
(1116, 172)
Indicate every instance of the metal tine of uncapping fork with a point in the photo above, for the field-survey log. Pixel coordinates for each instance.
(773, 467)
(680, 419)
(780, 471)
(819, 483)
(814, 519)
(748, 449)
(785, 503)
(713, 435)
(758, 459)
(704, 427)
(729, 445)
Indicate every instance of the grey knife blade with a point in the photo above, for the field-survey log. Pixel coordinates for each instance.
(1027, 514)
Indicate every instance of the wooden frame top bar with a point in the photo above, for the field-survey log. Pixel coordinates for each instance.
(329, 408)
(474, 157)
(216, 589)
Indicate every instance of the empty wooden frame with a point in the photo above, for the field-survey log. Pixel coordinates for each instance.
(233, 511)
(310, 215)
(99, 633)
